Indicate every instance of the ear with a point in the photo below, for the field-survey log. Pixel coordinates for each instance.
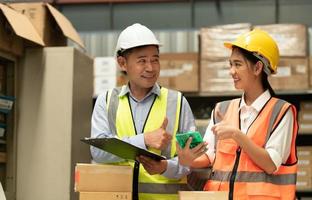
(122, 62)
(258, 68)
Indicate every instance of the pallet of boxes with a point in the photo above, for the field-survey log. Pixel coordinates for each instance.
(103, 182)
(214, 57)
(304, 153)
(52, 83)
(293, 67)
(292, 71)
(304, 174)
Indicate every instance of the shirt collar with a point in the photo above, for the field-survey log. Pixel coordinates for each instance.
(259, 102)
(125, 89)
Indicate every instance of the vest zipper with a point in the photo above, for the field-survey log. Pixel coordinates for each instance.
(233, 175)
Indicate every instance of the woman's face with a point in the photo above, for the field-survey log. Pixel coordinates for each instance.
(242, 71)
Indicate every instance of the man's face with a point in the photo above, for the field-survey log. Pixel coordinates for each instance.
(142, 66)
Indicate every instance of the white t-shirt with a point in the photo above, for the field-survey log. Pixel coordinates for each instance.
(278, 145)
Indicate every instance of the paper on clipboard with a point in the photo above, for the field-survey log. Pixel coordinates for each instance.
(120, 148)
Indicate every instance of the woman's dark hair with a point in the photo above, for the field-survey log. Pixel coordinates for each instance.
(253, 59)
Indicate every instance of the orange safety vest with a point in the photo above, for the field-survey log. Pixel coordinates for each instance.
(235, 172)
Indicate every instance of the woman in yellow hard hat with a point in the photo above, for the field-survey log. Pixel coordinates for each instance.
(251, 140)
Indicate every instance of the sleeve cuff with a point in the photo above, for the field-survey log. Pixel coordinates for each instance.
(275, 157)
(175, 170)
(137, 140)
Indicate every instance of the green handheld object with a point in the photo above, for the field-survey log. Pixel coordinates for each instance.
(183, 137)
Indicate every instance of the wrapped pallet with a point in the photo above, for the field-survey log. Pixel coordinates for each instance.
(212, 39)
(292, 74)
(215, 76)
(291, 38)
(179, 71)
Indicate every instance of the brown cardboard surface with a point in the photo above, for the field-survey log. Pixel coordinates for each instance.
(304, 152)
(14, 28)
(2, 157)
(212, 39)
(51, 25)
(21, 25)
(304, 178)
(215, 76)
(306, 105)
(305, 116)
(292, 74)
(103, 178)
(65, 25)
(310, 70)
(55, 106)
(204, 195)
(179, 71)
(290, 38)
(105, 196)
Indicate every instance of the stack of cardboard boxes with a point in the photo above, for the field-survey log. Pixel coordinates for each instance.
(105, 74)
(103, 182)
(179, 71)
(214, 57)
(293, 67)
(305, 117)
(53, 86)
(304, 174)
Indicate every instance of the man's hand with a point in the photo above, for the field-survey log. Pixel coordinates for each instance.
(152, 166)
(187, 155)
(158, 139)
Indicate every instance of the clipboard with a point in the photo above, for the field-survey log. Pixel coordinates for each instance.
(120, 148)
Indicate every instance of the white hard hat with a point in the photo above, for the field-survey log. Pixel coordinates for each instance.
(134, 36)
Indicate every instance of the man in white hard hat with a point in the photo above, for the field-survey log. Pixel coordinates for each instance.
(144, 114)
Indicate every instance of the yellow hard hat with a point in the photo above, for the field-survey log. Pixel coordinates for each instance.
(261, 44)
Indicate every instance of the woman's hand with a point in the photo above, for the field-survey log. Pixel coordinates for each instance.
(187, 155)
(224, 130)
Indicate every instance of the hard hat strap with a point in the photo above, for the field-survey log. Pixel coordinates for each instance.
(266, 63)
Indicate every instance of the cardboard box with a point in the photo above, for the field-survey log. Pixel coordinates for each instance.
(304, 178)
(304, 152)
(305, 128)
(304, 172)
(292, 74)
(103, 178)
(51, 25)
(104, 83)
(203, 195)
(215, 76)
(3, 157)
(305, 116)
(212, 39)
(16, 31)
(305, 106)
(310, 70)
(105, 66)
(105, 196)
(291, 38)
(55, 107)
(179, 71)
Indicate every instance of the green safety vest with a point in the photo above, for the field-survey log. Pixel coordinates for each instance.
(168, 103)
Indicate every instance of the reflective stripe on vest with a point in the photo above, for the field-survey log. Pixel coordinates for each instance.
(249, 178)
(281, 179)
(168, 103)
